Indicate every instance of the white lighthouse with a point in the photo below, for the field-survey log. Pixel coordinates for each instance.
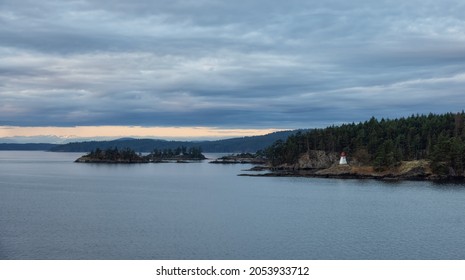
(343, 159)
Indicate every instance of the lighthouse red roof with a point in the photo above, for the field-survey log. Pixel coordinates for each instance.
(343, 154)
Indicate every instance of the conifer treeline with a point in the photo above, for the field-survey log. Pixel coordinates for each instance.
(114, 154)
(129, 155)
(192, 152)
(384, 143)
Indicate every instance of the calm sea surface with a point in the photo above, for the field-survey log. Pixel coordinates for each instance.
(52, 208)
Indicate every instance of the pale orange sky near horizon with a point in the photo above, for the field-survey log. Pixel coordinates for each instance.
(130, 131)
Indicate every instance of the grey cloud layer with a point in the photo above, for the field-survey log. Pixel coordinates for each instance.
(228, 63)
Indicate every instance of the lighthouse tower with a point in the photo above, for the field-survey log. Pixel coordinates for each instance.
(343, 159)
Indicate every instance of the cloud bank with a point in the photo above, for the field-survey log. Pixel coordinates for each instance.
(228, 64)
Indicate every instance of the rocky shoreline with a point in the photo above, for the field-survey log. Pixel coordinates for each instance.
(317, 164)
(408, 170)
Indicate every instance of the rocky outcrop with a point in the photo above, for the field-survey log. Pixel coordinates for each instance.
(407, 170)
(313, 159)
(317, 160)
(325, 164)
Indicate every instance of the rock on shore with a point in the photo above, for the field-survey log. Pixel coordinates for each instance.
(326, 165)
(312, 160)
(408, 170)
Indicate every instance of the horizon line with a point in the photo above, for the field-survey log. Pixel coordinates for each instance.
(107, 132)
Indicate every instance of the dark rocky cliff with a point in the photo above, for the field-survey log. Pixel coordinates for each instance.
(314, 159)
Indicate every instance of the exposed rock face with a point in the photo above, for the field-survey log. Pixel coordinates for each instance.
(326, 165)
(317, 160)
(407, 170)
(418, 169)
(314, 159)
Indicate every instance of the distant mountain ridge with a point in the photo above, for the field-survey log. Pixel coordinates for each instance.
(231, 145)
(26, 147)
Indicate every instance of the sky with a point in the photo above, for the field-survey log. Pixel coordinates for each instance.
(207, 68)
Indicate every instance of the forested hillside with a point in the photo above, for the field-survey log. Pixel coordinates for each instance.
(385, 143)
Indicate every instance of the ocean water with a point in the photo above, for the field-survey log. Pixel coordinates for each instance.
(53, 208)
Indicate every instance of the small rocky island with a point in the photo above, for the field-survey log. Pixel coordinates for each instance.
(241, 158)
(113, 155)
(126, 155)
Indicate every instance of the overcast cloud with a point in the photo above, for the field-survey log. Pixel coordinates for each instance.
(231, 64)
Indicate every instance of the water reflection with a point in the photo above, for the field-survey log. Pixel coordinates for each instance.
(52, 208)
